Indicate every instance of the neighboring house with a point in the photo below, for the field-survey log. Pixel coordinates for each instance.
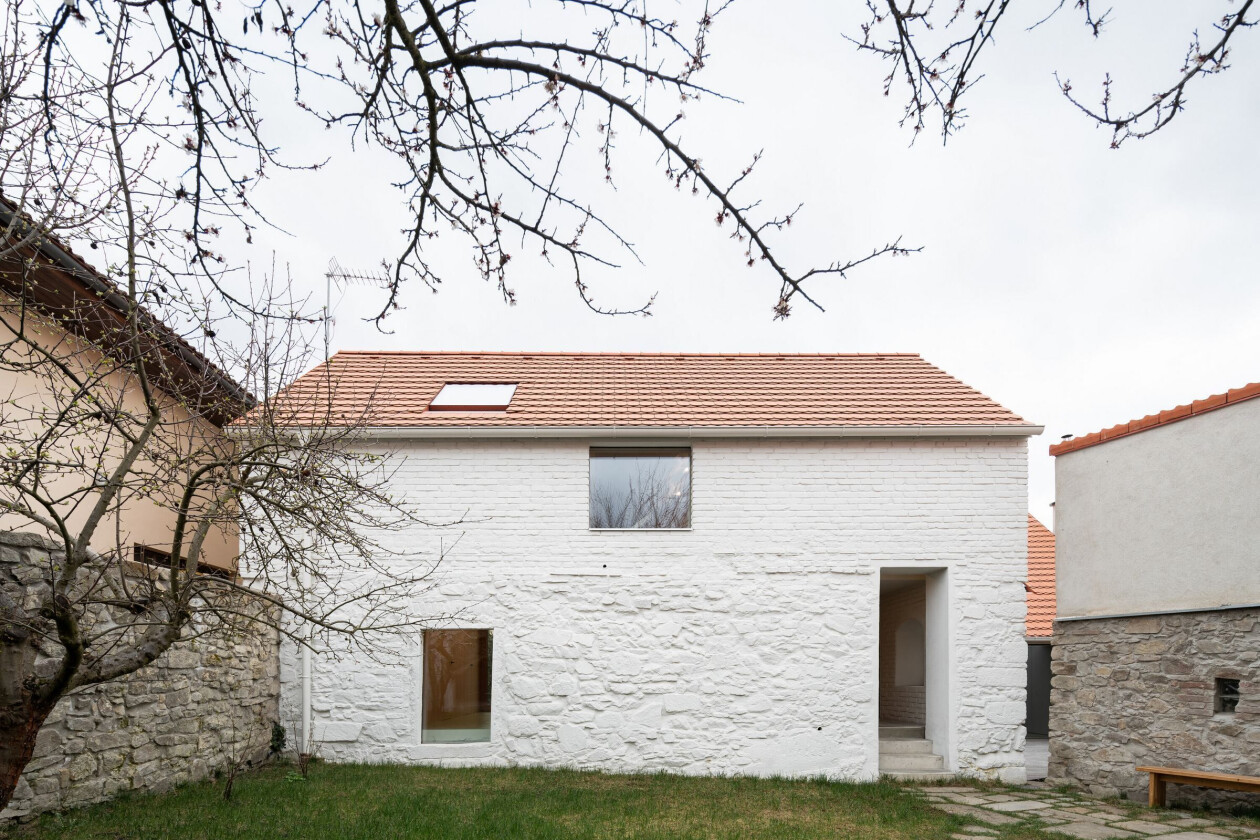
(1157, 643)
(1039, 625)
(52, 301)
(697, 563)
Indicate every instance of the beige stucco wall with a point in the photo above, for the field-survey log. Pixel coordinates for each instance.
(1162, 520)
(144, 521)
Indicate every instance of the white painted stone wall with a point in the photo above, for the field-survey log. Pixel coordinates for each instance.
(748, 644)
(1162, 520)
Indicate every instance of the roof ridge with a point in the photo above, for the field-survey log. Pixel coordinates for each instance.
(1231, 397)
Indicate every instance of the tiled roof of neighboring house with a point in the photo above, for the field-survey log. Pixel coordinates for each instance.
(675, 390)
(1150, 421)
(1040, 584)
(63, 286)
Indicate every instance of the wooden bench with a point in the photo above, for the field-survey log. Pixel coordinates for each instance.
(1161, 776)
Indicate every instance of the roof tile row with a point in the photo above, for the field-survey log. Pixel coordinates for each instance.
(1163, 418)
(593, 389)
(1040, 583)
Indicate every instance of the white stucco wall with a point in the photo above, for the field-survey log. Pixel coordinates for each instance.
(1165, 519)
(748, 644)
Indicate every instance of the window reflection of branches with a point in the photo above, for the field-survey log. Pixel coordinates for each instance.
(457, 686)
(640, 489)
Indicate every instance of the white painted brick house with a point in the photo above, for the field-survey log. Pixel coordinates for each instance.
(806, 492)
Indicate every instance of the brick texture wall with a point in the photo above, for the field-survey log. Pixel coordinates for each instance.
(746, 644)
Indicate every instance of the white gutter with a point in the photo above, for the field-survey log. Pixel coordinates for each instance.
(410, 432)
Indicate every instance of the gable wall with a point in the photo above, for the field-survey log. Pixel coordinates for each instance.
(31, 399)
(747, 644)
(1162, 520)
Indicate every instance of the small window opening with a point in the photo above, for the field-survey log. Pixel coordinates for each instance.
(150, 556)
(1227, 696)
(474, 396)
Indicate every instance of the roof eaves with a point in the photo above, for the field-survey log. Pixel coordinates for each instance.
(96, 283)
(1163, 418)
(867, 431)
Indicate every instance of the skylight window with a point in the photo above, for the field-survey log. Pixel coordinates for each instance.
(470, 396)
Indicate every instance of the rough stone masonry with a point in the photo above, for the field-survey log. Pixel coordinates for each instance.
(1142, 691)
(204, 703)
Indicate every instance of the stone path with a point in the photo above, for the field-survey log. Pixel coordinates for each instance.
(1075, 816)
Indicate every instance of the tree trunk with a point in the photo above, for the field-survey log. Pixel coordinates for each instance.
(22, 714)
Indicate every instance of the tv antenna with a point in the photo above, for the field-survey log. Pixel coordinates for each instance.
(344, 277)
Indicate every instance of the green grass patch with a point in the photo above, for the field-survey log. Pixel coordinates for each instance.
(377, 802)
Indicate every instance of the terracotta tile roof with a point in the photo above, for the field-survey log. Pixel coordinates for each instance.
(645, 390)
(1040, 583)
(1150, 421)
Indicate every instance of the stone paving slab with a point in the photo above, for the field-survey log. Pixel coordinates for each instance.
(959, 799)
(1074, 816)
(1019, 805)
(1146, 826)
(1068, 816)
(977, 813)
(1094, 831)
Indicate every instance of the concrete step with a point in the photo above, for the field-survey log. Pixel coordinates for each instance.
(910, 762)
(889, 746)
(917, 776)
(898, 730)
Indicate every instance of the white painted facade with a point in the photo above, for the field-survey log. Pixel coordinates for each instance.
(745, 644)
(1166, 519)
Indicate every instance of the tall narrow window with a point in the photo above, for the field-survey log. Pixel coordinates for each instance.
(640, 488)
(456, 686)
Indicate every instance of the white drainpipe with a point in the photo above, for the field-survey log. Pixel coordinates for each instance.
(306, 700)
(307, 741)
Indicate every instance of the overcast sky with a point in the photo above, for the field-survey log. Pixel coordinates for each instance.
(1079, 286)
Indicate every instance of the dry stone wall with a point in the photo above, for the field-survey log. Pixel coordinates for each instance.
(204, 703)
(1140, 691)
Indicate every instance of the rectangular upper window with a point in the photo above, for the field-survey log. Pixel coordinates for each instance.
(456, 704)
(640, 488)
(474, 396)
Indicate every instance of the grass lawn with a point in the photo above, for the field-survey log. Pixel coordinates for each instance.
(350, 802)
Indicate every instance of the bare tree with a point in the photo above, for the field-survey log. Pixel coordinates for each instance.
(134, 132)
(481, 124)
(934, 49)
(114, 428)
